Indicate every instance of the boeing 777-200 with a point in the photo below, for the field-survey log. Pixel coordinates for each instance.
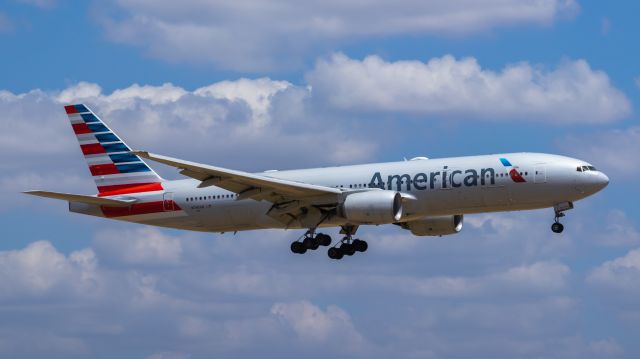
(428, 197)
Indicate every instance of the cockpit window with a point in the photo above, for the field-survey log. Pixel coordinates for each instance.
(586, 168)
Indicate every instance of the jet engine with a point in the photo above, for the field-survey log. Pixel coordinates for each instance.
(435, 226)
(374, 207)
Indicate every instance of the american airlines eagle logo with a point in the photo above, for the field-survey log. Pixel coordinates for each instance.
(513, 172)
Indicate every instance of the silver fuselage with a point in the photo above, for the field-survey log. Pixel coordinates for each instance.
(445, 186)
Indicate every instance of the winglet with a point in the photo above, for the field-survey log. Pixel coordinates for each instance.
(143, 154)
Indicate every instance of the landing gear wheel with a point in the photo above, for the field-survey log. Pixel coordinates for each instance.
(347, 249)
(360, 245)
(310, 243)
(298, 248)
(323, 239)
(557, 227)
(335, 253)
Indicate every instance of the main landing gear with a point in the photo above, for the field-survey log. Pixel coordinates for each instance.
(347, 246)
(310, 241)
(559, 208)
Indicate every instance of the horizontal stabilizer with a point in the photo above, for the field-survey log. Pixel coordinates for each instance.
(83, 199)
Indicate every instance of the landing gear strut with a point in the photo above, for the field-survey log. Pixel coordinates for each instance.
(310, 241)
(559, 208)
(347, 246)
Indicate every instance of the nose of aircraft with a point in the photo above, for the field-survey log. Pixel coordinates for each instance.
(602, 181)
(594, 182)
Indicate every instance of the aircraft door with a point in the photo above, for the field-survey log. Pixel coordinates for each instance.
(540, 174)
(167, 202)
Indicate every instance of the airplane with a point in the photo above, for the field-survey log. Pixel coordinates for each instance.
(428, 197)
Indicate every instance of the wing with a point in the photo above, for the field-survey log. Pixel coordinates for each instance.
(247, 185)
(83, 199)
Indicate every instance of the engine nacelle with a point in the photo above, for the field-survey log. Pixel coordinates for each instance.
(373, 207)
(435, 226)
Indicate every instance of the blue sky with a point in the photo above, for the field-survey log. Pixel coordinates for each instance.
(256, 86)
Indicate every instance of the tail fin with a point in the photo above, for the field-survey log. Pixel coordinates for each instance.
(114, 169)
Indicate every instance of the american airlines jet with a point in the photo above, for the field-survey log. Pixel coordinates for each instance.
(428, 197)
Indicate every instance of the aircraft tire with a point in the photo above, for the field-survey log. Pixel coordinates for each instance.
(335, 253)
(308, 243)
(347, 249)
(557, 227)
(298, 248)
(360, 245)
(323, 239)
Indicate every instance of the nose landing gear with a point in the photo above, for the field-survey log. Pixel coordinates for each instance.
(557, 227)
(559, 208)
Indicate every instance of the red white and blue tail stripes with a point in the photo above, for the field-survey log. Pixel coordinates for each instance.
(114, 169)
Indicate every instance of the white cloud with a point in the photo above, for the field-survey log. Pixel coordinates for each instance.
(312, 324)
(13, 185)
(258, 94)
(33, 118)
(570, 93)
(259, 35)
(541, 276)
(622, 274)
(538, 278)
(241, 296)
(40, 271)
(619, 230)
(613, 151)
(141, 246)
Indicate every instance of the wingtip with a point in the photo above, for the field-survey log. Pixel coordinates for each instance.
(144, 154)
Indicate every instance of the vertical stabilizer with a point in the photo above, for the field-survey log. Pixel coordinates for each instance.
(114, 169)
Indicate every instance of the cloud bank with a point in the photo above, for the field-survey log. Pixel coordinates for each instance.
(263, 35)
(446, 86)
